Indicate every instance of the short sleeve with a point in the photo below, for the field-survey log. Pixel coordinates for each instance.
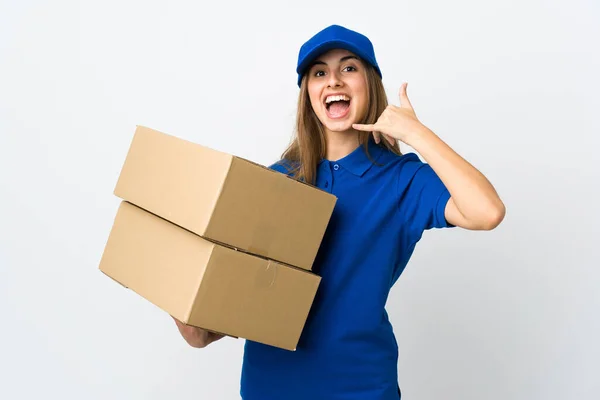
(279, 167)
(423, 197)
(283, 166)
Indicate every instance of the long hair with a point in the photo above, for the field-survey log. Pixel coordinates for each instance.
(309, 145)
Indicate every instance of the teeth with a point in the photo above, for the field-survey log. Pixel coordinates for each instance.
(336, 98)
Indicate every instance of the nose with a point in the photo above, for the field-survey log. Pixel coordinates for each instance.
(334, 79)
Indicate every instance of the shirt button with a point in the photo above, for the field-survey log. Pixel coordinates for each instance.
(336, 167)
(327, 184)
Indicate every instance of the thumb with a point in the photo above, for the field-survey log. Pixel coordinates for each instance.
(404, 101)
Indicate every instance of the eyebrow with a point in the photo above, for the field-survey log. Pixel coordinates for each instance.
(341, 60)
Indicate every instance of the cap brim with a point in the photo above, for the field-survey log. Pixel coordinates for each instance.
(324, 47)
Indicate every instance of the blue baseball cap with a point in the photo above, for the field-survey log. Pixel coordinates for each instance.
(335, 37)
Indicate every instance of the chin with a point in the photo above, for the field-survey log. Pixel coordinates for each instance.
(343, 125)
(340, 127)
(337, 125)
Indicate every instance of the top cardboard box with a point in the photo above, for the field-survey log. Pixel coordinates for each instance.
(225, 198)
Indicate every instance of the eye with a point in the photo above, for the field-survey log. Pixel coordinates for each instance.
(319, 73)
(350, 68)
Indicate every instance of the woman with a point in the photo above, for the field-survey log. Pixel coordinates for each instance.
(347, 143)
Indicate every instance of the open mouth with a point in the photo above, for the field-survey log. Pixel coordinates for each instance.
(337, 106)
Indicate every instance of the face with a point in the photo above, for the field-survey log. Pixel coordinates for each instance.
(337, 88)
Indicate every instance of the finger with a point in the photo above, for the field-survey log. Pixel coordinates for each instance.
(364, 127)
(404, 101)
(180, 325)
(390, 139)
(377, 137)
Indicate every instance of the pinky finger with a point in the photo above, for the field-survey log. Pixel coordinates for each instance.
(390, 139)
(377, 136)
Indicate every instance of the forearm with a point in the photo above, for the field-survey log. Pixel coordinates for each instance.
(474, 196)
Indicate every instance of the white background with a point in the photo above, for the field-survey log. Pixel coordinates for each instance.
(511, 85)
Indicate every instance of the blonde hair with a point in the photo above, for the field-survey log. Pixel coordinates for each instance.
(309, 146)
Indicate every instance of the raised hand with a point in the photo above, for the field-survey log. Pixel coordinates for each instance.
(396, 122)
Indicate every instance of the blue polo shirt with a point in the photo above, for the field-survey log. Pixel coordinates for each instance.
(347, 349)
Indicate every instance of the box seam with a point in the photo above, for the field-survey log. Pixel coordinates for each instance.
(199, 284)
(218, 197)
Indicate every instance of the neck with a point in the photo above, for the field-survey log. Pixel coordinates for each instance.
(340, 144)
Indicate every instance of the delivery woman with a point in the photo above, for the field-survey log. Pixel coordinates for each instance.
(346, 143)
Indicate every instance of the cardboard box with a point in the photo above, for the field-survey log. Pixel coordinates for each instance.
(225, 198)
(205, 284)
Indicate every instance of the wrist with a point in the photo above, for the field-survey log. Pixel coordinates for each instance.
(419, 136)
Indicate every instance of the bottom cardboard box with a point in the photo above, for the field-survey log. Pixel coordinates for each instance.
(205, 284)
